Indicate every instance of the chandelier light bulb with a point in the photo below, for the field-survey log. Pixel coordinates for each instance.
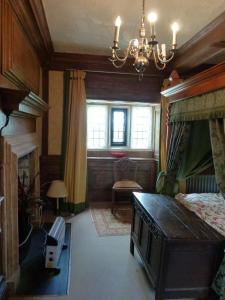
(175, 27)
(118, 21)
(136, 43)
(117, 30)
(152, 17)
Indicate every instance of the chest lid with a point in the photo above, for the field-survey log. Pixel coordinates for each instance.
(174, 220)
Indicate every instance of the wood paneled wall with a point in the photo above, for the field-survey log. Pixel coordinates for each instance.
(100, 176)
(19, 61)
(55, 114)
(125, 87)
(20, 71)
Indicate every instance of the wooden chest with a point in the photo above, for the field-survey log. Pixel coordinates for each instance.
(180, 252)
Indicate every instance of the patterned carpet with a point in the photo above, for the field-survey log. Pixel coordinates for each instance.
(107, 224)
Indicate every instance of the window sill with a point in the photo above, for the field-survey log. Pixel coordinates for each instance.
(115, 158)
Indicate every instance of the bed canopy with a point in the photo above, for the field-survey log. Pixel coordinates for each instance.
(193, 136)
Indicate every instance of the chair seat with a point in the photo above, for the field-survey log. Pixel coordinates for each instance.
(126, 185)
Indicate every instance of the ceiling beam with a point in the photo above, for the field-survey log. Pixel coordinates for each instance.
(97, 63)
(31, 16)
(205, 45)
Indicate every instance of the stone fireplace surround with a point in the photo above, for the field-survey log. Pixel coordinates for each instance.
(11, 149)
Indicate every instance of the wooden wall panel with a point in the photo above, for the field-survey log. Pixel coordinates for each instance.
(50, 167)
(100, 177)
(19, 60)
(55, 115)
(123, 87)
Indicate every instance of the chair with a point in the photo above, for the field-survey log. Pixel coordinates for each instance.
(124, 173)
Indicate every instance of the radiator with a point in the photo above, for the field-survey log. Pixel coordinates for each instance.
(202, 184)
(55, 243)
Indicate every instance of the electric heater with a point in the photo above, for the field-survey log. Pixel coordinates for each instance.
(55, 243)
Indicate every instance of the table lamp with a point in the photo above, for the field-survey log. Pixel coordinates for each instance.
(57, 190)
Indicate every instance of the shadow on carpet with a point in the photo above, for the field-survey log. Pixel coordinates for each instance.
(34, 278)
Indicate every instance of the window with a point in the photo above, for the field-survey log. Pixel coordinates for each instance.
(97, 116)
(141, 127)
(119, 125)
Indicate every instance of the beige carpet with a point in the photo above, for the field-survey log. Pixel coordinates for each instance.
(107, 224)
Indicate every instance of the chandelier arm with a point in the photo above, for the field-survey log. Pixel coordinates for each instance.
(126, 53)
(165, 61)
(118, 66)
(156, 61)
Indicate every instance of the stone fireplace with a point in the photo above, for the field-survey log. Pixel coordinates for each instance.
(12, 149)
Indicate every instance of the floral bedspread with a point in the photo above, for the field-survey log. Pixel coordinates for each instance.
(210, 207)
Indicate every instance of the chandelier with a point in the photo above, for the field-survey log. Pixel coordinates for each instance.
(144, 49)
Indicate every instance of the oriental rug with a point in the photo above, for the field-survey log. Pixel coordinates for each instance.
(107, 224)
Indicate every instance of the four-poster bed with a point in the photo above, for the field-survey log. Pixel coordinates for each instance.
(192, 142)
(196, 140)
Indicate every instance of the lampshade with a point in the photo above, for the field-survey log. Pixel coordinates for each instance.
(57, 189)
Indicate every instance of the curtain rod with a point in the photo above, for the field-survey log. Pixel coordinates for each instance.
(119, 73)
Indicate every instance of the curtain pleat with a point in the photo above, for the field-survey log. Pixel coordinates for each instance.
(166, 181)
(217, 137)
(218, 150)
(75, 169)
(163, 133)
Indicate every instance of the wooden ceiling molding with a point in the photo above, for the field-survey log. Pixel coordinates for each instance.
(204, 82)
(97, 63)
(31, 16)
(204, 46)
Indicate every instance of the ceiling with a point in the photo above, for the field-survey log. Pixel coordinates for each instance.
(86, 26)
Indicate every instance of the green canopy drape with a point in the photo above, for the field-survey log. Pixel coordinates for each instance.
(167, 181)
(189, 154)
(197, 155)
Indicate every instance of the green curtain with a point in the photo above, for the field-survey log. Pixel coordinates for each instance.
(218, 150)
(167, 181)
(204, 107)
(197, 156)
(219, 281)
(217, 137)
(187, 157)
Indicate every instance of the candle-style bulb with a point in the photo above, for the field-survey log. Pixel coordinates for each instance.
(118, 21)
(117, 30)
(163, 47)
(152, 17)
(175, 29)
(136, 43)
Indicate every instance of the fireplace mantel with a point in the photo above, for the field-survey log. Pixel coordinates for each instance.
(22, 144)
(21, 102)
